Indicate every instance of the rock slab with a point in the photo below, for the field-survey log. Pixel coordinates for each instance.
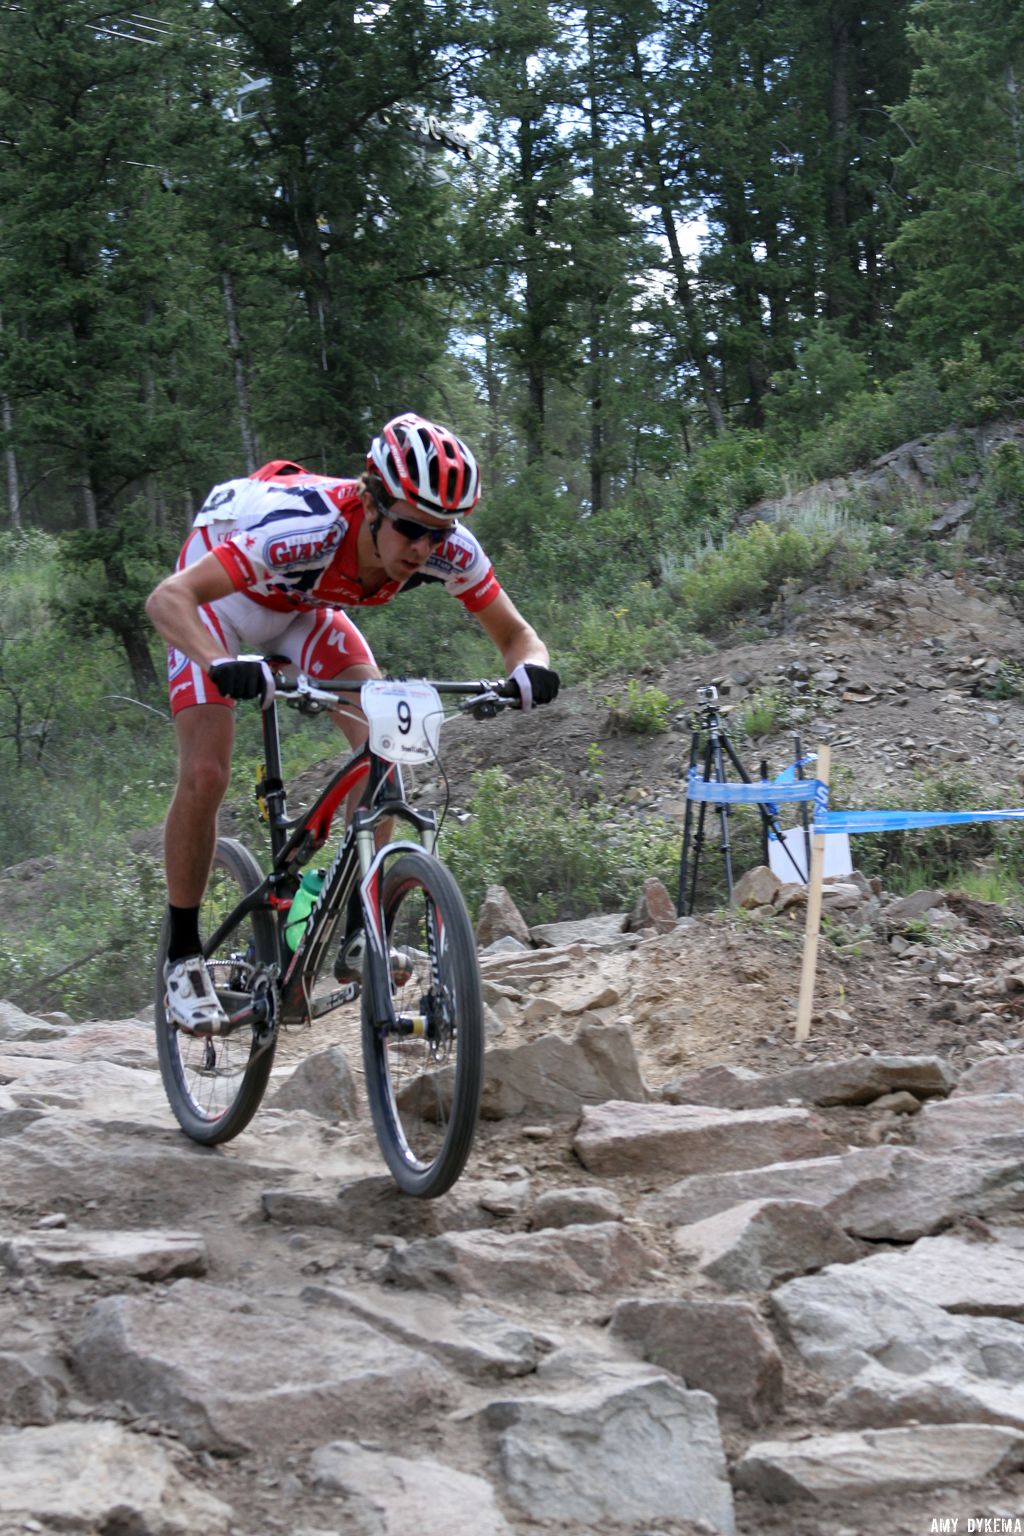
(141, 1254)
(395, 1495)
(558, 1076)
(751, 1246)
(628, 1446)
(229, 1374)
(879, 1461)
(322, 1084)
(617, 1138)
(892, 1194)
(855, 1080)
(570, 1260)
(87, 1477)
(957, 1273)
(901, 1358)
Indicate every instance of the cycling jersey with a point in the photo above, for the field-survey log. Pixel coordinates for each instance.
(289, 542)
(287, 538)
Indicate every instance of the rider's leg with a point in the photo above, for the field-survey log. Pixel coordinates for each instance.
(205, 735)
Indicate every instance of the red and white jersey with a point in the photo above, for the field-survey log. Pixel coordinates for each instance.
(287, 538)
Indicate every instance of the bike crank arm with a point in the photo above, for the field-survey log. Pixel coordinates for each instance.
(255, 1013)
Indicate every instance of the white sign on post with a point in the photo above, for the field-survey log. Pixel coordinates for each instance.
(838, 859)
(405, 720)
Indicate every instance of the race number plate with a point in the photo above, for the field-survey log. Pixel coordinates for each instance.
(405, 720)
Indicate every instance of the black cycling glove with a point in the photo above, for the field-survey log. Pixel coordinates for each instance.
(243, 677)
(536, 684)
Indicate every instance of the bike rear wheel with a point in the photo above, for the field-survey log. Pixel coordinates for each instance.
(424, 1091)
(214, 1084)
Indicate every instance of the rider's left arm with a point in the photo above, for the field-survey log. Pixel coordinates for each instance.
(517, 640)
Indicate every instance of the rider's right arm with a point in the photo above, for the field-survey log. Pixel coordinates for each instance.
(174, 607)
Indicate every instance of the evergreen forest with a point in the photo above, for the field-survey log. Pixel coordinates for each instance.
(654, 261)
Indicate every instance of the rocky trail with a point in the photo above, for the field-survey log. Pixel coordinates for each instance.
(695, 1278)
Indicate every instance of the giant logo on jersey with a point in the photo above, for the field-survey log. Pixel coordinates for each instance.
(452, 556)
(302, 546)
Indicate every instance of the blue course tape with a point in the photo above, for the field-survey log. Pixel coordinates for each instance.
(901, 821)
(748, 794)
(825, 821)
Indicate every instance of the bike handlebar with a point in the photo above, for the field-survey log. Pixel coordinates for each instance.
(480, 697)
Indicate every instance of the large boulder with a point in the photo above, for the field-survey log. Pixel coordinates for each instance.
(721, 1347)
(231, 1374)
(500, 918)
(322, 1084)
(751, 1246)
(82, 1478)
(626, 1446)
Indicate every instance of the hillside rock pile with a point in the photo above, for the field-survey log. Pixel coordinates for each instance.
(713, 1299)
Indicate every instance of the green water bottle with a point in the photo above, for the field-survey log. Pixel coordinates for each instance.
(303, 901)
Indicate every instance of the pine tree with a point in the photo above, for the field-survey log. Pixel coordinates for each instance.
(963, 243)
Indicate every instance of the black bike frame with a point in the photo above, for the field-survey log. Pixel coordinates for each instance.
(293, 844)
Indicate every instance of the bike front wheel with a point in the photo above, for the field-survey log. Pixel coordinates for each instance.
(214, 1084)
(424, 1088)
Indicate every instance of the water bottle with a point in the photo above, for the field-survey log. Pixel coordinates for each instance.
(303, 901)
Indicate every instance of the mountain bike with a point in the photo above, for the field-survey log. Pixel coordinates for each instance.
(421, 1007)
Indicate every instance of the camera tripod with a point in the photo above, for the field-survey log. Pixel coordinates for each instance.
(707, 724)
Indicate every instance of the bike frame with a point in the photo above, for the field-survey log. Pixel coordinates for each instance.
(293, 845)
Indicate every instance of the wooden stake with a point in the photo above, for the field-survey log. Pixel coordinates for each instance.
(803, 1014)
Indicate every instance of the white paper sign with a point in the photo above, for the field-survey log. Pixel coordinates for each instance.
(838, 859)
(405, 720)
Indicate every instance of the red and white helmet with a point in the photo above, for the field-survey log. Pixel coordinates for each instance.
(426, 465)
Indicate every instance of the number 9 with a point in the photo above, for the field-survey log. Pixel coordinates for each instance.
(404, 717)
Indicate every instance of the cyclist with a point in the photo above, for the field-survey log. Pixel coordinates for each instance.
(271, 564)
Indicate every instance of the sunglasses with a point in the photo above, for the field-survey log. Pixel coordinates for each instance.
(414, 531)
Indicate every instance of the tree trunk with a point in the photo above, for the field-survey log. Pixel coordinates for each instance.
(596, 366)
(10, 457)
(241, 382)
(89, 502)
(595, 345)
(696, 343)
(837, 196)
(533, 319)
(1013, 91)
(747, 294)
(133, 636)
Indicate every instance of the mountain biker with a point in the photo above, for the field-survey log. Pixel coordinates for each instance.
(272, 562)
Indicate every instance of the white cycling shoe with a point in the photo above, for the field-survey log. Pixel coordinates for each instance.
(191, 1002)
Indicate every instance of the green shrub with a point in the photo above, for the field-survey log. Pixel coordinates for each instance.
(93, 956)
(745, 572)
(643, 711)
(555, 861)
(764, 713)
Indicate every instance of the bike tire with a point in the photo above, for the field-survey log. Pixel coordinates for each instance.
(214, 1084)
(424, 1093)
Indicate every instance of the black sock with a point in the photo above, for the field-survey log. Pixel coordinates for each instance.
(354, 916)
(184, 939)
